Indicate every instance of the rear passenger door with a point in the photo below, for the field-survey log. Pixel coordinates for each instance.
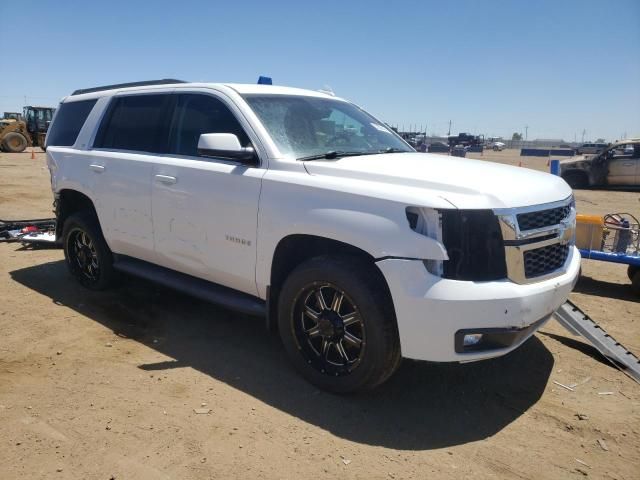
(131, 135)
(205, 209)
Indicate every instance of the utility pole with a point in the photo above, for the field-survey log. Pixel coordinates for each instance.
(449, 132)
(526, 132)
(584, 132)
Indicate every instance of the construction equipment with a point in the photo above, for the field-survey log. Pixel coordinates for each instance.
(12, 116)
(613, 238)
(578, 323)
(16, 134)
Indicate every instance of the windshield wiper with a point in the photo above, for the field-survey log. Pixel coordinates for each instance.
(393, 150)
(330, 155)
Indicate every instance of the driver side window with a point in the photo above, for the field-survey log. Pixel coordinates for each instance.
(625, 151)
(195, 114)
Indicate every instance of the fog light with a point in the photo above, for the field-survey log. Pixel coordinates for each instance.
(471, 339)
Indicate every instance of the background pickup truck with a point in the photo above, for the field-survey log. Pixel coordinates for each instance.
(617, 165)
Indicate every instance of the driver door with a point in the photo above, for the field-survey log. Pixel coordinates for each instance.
(205, 210)
(623, 168)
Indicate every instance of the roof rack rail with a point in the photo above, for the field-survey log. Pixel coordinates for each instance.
(145, 83)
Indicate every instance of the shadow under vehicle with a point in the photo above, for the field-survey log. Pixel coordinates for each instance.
(424, 406)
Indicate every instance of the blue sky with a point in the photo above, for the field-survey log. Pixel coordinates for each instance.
(491, 67)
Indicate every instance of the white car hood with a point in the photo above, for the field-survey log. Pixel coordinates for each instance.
(464, 183)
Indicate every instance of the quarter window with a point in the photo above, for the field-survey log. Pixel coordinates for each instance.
(196, 114)
(69, 120)
(134, 123)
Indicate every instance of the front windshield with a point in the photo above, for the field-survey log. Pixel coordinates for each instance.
(304, 126)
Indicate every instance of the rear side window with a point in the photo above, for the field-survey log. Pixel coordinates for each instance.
(134, 123)
(69, 120)
(196, 114)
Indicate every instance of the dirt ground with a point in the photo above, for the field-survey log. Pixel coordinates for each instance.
(105, 385)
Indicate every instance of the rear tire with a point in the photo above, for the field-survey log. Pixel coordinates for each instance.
(14, 142)
(337, 324)
(88, 257)
(576, 180)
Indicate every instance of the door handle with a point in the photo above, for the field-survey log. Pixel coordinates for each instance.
(97, 168)
(166, 179)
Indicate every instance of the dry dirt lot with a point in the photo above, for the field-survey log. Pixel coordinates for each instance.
(104, 385)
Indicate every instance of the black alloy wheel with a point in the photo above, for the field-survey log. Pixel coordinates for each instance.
(83, 254)
(329, 329)
(88, 257)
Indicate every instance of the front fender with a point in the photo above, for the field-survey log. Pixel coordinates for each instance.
(376, 226)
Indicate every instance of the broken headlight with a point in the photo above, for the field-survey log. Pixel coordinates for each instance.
(427, 222)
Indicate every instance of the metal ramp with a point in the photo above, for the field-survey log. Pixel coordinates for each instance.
(578, 323)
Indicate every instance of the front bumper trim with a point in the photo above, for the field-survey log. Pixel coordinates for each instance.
(495, 338)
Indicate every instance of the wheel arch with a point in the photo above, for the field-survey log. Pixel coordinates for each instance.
(577, 172)
(295, 249)
(68, 202)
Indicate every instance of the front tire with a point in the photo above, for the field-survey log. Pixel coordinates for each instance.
(337, 324)
(576, 180)
(87, 255)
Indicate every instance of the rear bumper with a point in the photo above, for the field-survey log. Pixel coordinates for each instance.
(433, 313)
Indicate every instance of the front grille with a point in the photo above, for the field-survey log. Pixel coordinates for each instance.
(542, 218)
(540, 261)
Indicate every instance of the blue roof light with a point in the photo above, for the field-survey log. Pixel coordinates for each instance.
(265, 80)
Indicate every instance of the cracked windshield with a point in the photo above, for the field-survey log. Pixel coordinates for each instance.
(307, 126)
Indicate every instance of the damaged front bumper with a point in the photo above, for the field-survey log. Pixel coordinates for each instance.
(431, 311)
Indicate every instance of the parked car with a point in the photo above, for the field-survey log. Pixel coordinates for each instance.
(590, 148)
(438, 147)
(619, 164)
(358, 249)
(498, 146)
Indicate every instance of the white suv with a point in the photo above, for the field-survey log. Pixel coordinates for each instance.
(302, 207)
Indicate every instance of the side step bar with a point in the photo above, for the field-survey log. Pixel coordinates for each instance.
(578, 323)
(196, 287)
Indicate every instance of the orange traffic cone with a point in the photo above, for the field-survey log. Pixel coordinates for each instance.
(548, 162)
(33, 155)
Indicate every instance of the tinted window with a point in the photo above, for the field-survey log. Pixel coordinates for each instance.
(69, 120)
(134, 123)
(197, 114)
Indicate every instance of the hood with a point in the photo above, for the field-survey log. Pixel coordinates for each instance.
(577, 159)
(464, 183)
